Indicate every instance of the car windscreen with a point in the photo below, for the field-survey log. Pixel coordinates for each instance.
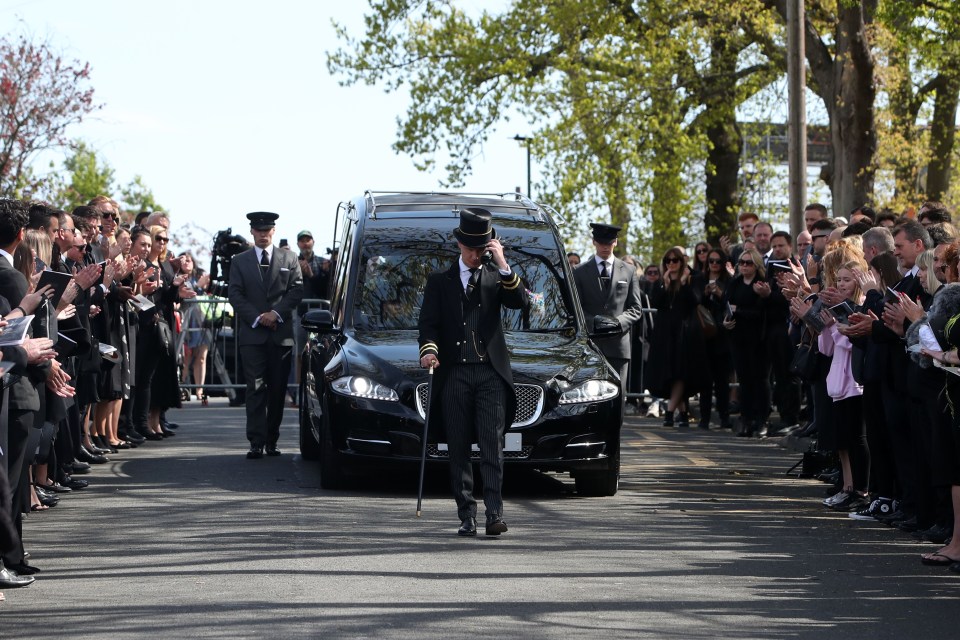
(393, 273)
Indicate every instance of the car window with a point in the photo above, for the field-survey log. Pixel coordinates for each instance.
(392, 276)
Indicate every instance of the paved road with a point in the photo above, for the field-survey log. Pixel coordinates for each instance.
(706, 539)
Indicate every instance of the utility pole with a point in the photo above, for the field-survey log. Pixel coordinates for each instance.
(797, 116)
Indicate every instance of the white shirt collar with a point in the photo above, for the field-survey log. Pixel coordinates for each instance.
(601, 262)
(914, 270)
(268, 250)
(7, 256)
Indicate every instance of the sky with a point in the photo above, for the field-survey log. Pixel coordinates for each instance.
(227, 107)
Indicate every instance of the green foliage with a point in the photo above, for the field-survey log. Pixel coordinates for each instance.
(619, 94)
(88, 177)
(137, 197)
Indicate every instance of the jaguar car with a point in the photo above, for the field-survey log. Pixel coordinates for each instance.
(364, 394)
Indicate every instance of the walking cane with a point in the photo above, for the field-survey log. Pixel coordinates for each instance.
(423, 449)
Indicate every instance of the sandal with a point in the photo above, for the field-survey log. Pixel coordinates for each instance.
(937, 559)
(38, 507)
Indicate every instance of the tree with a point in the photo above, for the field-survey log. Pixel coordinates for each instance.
(623, 95)
(137, 197)
(88, 178)
(41, 96)
(921, 41)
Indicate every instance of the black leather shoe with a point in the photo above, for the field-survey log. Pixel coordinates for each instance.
(150, 435)
(23, 569)
(92, 458)
(56, 487)
(938, 534)
(75, 483)
(47, 498)
(256, 452)
(77, 467)
(272, 450)
(495, 525)
(169, 425)
(10, 580)
(166, 433)
(134, 438)
(468, 527)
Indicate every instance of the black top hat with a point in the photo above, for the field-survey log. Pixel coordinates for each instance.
(604, 233)
(475, 229)
(262, 220)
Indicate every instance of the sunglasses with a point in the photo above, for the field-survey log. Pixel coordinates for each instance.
(671, 260)
(702, 250)
(746, 263)
(653, 273)
(161, 239)
(715, 261)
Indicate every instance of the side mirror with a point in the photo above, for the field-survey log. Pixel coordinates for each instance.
(317, 321)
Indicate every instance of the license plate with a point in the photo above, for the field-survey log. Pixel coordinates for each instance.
(513, 442)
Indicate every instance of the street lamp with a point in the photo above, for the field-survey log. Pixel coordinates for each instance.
(527, 140)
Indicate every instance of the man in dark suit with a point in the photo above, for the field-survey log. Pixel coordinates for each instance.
(609, 293)
(21, 400)
(266, 285)
(885, 325)
(461, 327)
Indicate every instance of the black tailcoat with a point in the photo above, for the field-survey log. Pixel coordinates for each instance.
(441, 324)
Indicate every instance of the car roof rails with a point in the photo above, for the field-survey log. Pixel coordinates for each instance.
(507, 200)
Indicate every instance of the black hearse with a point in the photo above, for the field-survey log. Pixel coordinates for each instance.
(363, 390)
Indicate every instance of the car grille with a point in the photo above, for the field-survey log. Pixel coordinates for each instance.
(434, 452)
(529, 403)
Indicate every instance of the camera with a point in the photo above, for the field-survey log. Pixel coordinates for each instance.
(225, 246)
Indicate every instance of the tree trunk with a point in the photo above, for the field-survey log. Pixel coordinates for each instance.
(726, 143)
(942, 135)
(853, 137)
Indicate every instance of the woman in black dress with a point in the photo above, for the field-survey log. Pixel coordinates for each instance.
(677, 361)
(719, 361)
(745, 320)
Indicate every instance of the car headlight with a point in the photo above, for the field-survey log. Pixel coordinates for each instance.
(361, 387)
(590, 391)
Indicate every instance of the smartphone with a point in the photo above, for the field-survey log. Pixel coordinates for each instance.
(779, 264)
(891, 296)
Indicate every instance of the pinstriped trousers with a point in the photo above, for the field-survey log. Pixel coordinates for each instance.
(473, 410)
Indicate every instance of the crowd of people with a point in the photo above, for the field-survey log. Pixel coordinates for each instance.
(97, 366)
(850, 330)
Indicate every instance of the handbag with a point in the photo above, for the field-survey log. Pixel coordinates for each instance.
(707, 322)
(164, 337)
(804, 362)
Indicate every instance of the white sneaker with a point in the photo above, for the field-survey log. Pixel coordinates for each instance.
(836, 498)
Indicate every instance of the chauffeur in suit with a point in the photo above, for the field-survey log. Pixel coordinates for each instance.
(461, 333)
(609, 293)
(265, 287)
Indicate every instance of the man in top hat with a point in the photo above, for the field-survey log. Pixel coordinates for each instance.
(461, 334)
(610, 294)
(265, 287)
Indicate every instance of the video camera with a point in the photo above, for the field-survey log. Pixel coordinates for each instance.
(225, 246)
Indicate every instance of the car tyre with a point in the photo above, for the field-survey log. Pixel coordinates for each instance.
(604, 482)
(309, 447)
(332, 475)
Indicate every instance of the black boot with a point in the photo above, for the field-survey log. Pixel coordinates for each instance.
(668, 418)
(683, 419)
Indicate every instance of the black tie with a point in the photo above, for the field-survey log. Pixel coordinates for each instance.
(264, 260)
(604, 276)
(472, 283)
